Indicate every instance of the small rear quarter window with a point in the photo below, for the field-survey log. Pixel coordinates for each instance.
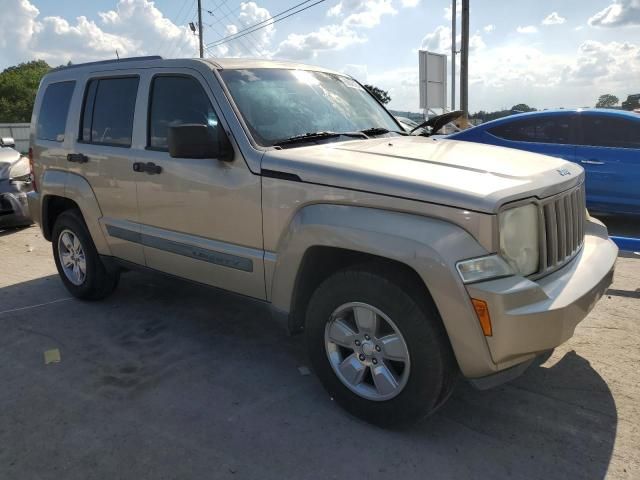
(54, 109)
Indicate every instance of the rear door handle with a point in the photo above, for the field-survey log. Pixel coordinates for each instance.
(77, 158)
(149, 167)
(592, 162)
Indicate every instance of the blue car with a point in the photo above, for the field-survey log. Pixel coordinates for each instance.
(605, 142)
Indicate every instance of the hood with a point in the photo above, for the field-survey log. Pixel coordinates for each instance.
(8, 158)
(447, 172)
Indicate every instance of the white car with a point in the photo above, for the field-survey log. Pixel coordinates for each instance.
(15, 183)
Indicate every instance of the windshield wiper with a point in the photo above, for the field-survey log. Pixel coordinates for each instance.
(380, 131)
(318, 136)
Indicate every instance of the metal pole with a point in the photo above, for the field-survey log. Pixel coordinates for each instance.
(200, 28)
(454, 24)
(464, 60)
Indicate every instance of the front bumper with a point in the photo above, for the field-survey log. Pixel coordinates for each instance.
(529, 317)
(14, 210)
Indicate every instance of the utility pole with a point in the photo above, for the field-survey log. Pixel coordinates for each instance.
(454, 45)
(200, 28)
(464, 60)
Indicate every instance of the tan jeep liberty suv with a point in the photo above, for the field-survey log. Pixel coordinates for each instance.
(407, 261)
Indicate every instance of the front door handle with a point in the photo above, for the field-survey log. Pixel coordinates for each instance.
(77, 158)
(149, 167)
(592, 162)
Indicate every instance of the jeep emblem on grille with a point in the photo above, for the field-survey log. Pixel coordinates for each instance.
(563, 172)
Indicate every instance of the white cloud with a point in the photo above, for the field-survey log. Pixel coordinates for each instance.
(401, 84)
(134, 27)
(439, 41)
(352, 16)
(507, 75)
(357, 71)
(527, 29)
(489, 28)
(448, 12)
(304, 46)
(17, 26)
(257, 43)
(619, 13)
(553, 19)
(410, 3)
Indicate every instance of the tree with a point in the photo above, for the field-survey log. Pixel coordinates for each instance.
(18, 88)
(523, 107)
(380, 94)
(607, 101)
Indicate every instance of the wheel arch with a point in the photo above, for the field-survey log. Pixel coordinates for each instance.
(65, 190)
(331, 237)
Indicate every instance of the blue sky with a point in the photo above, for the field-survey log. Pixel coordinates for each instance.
(547, 54)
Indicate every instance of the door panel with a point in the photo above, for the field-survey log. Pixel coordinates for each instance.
(105, 139)
(200, 218)
(613, 178)
(545, 134)
(610, 154)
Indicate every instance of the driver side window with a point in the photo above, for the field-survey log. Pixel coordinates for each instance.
(176, 100)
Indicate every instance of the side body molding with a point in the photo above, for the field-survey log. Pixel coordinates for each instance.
(75, 187)
(429, 246)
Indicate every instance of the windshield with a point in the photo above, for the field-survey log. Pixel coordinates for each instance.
(278, 104)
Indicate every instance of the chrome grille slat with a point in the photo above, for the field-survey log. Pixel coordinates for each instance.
(552, 234)
(569, 211)
(564, 224)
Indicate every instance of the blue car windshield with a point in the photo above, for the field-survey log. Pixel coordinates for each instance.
(278, 104)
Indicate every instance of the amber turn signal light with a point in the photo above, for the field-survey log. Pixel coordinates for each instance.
(482, 311)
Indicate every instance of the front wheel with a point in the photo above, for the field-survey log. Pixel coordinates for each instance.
(77, 259)
(377, 344)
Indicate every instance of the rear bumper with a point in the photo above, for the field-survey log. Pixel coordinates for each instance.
(530, 317)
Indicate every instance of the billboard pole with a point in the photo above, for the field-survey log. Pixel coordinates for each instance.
(464, 61)
(200, 29)
(454, 24)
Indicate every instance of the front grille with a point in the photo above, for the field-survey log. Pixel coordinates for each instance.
(564, 216)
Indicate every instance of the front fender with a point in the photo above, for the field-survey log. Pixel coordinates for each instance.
(429, 246)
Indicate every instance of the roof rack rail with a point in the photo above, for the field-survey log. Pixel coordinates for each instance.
(107, 62)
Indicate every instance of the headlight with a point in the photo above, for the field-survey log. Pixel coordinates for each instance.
(483, 268)
(519, 238)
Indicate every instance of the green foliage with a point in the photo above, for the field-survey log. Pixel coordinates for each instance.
(607, 101)
(488, 116)
(18, 88)
(380, 94)
(522, 107)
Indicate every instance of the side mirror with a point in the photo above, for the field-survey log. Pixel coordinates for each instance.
(7, 142)
(192, 140)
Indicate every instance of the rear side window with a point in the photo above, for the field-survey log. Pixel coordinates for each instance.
(176, 100)
(608, 131)
(109, 105)
(52, 118)
(536, 130)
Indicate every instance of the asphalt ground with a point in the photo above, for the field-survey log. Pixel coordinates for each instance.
(165, 379)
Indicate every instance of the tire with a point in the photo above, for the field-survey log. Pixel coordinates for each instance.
(400, 303)
(97, 282)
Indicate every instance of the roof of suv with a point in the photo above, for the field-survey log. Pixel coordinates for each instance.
(217, 63)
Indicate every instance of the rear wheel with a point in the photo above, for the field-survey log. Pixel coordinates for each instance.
(77, 259)
(378, 345)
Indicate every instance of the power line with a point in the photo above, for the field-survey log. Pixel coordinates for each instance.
(219, 19)
(172, 47)
(251, 42)
(164, 41)
(259, 25)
